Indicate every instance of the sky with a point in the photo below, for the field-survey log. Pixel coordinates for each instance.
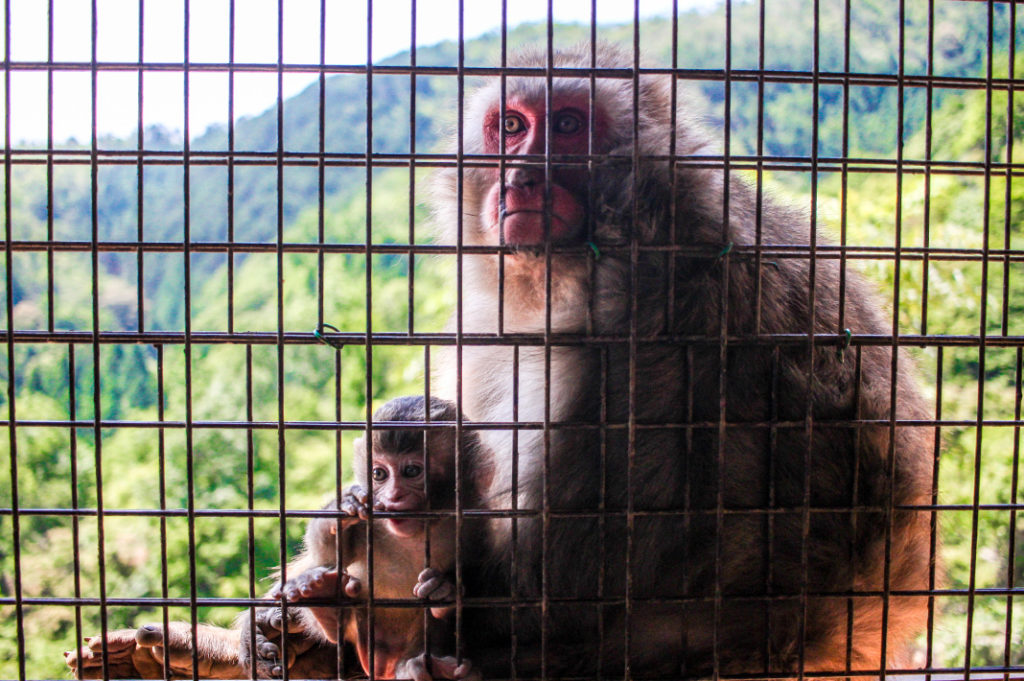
(256, 30)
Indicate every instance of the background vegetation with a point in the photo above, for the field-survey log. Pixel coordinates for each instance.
(145, 467)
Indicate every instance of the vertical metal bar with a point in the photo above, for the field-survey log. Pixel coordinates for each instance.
(95, 310)
(759, 176)
(895, 346)
(412, 175)
(140, 174)
(250, 494)
(186, 171)
(673, 179)
(591, 167)
(1008, 194)
(501, 185)
(162, 486)
(758, 281)
(321, 129)
(925, 267)
(633, 348)
(929, 97)
(459, 283)
(982, 338)
(231, 166)
(725, 262)
(845, 172)
(855, 500)
(11, 376)
(773, 444)
(933, 538)
(589, 331)
(1011, 549)
(50, 288)
(75, 521)
(282, 451)
(514, 594)
(338, 475)
(545, 573)
(371, 614)
(812, 271)
(426, 493)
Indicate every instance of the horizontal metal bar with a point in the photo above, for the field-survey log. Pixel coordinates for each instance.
(507, 339)
(721, 75)
(776, 251)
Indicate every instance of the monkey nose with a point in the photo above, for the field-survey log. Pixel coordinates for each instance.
(523, 178)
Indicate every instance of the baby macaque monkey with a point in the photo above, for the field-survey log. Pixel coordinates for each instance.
(411, 470)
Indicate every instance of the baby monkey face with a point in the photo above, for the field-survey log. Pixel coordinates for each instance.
(399, 484)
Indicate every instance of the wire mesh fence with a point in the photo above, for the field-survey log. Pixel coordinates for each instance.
(726, 299)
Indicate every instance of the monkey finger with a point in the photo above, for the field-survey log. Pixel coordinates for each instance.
(359, 493)
(118, 641)
(433, 586)
(350, 585)
(267, 649)
(273, 624)
(414, 669)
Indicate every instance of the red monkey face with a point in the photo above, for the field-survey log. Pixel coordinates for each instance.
(534, 210)
(398, 485)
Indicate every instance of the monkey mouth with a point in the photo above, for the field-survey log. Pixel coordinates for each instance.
(405, 527)
(529, 228)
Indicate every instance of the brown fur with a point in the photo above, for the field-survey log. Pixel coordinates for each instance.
(722, 523)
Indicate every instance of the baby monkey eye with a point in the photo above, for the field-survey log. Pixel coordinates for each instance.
(379, 474)
(412, 470)
(513, 124)
(567, 123)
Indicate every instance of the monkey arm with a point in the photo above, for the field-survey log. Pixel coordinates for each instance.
(140, 653)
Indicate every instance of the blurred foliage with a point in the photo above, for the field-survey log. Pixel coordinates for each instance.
(215, 463)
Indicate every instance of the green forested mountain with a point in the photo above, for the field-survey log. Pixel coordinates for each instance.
(145, 467)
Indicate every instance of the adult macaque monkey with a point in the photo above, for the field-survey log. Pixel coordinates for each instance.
(726, 499)
(401, 480)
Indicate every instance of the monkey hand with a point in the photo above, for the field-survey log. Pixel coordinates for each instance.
(267, 635)
(318, 583)
(323, 584)
(122, 656)
(354, 503)
(433, 585)
(141, 653)
(429, 667)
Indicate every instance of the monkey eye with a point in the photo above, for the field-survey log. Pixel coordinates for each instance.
(567, 123)
(379, 474)
(513, 124)
(412, 470)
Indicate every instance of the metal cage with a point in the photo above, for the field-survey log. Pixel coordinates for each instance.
(199, 320)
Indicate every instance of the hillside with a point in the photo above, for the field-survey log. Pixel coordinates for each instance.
(144, 467)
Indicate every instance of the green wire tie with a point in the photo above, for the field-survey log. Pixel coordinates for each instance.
(847, 339)
(595, 249)
(324, 339)
(725, 251)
